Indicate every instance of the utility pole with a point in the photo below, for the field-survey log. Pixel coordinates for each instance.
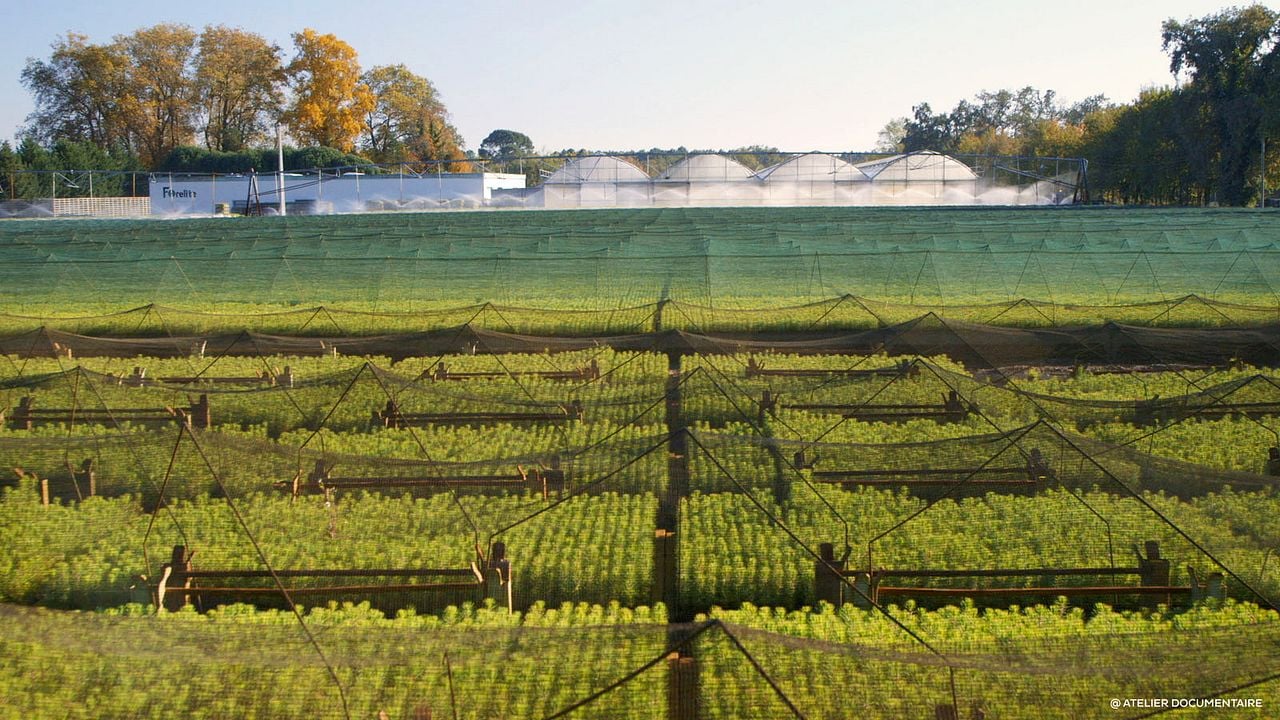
(1262, 176)
(280, 166)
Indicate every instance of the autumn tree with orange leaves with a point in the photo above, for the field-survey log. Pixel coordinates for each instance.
(329, 100)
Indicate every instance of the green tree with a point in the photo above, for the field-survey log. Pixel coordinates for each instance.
(238, 83)
(77, 92)
(890, 137)
(408, 121)
(1231, 58)
(506, 145)
(158, 105)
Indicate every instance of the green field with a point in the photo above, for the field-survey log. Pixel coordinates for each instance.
(792, 267)
(736, 462)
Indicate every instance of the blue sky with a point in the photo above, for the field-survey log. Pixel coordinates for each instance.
(799, 75)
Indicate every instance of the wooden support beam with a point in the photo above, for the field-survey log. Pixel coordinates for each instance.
(952, 409)
(903, 368)
(26, 415)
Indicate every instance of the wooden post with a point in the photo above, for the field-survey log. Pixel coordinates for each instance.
(22, 415)
(285, 379)
(389, 417)
(867, 586)
(1153, 571)
(768, 401)
(908, 369)
(549, 479)
(497, 576)
(315, 479)
(199, 414)
(1216, 587)
(945, 712)
(1273, 461)
(665, 568)
(573, 410)
(1197, 590)
(178, 568)
(753, 367)
(89, 476)
(44, 491)
(954, 407)
(802, 462)
(1038, 469)
(682, 687)
(827, 586)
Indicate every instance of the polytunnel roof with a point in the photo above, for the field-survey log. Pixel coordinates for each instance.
(812, 167)
(596, 169)
(706, 168)
(924, 165)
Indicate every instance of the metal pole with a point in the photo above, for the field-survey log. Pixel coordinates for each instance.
(1262, 176)
(280, 166)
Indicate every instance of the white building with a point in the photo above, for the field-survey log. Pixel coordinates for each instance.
(324, 192)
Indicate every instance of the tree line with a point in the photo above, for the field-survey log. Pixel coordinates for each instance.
(1200, 141)
(168, 88)
(169, 98)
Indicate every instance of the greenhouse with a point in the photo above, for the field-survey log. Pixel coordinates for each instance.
(805, 179)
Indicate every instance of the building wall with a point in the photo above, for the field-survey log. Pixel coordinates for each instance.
(182, 195)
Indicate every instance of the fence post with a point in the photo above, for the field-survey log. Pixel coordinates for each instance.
(945, 712)
(682, 687)
(44, 491)
(1273, 461)
(827, 586)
